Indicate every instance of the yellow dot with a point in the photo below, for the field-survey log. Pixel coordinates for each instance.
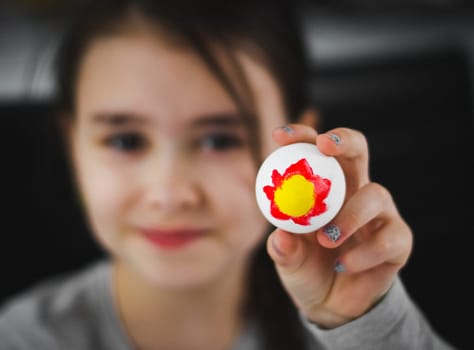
(295, 197)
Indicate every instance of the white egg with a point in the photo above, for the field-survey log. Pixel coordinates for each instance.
(305, 188)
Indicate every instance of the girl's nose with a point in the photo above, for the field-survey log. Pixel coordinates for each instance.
(171, 184)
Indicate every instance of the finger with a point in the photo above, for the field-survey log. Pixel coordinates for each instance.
(391, 244)
(344, 143)
(292, 133)
(369, 202)
(350, 148)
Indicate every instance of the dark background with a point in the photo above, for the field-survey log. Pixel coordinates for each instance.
(400, 71)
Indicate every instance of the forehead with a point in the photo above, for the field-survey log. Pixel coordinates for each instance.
(144, 69)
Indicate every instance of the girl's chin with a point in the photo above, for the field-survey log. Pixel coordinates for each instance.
(179, 275)
(199, 264)
(179, 281)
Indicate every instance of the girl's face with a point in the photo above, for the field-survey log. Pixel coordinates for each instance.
(163, 159)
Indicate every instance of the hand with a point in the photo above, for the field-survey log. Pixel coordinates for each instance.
(374, 242)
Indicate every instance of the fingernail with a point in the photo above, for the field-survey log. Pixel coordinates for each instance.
(336, 139)
(287, 129)
(338, 267)
(277, 250)
(332, 232)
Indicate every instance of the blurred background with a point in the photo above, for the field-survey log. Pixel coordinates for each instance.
(400, 71)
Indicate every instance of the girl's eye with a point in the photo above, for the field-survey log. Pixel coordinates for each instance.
(221, 142)
(126, 142)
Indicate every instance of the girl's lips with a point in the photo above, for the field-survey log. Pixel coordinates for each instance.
(170, 239)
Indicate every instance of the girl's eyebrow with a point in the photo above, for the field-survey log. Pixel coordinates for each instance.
(221, 119)
(118, 119)
(125, 119)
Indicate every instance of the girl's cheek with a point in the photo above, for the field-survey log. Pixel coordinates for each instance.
(231, 190)
(104, 191)
(228, 179)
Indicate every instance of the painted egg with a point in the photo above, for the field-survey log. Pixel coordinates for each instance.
(299, 189)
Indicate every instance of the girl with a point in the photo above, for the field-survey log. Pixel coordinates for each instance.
(167, 109)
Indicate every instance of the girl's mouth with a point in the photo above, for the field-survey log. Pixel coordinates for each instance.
(171, 239)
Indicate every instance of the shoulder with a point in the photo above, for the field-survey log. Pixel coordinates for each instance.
(55, 310)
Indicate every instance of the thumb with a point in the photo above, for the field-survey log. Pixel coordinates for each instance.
(304, 267)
